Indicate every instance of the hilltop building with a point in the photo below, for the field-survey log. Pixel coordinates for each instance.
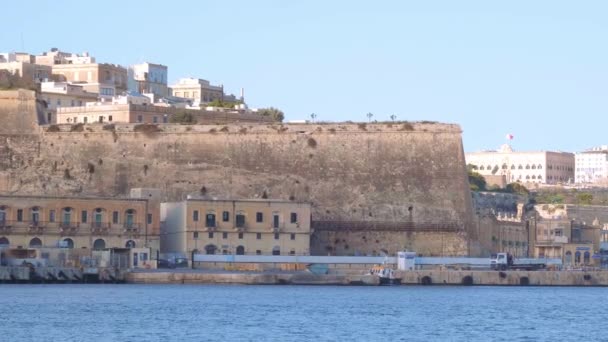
(148, 78)
(592, 165)
(198, 90)
(63, 94)
(541, 167)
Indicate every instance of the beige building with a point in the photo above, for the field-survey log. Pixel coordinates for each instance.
(242, 227)
(542, 167)
(198, 90)
(81, 222)
(54, 57)
(30, 73)
(573, 242)
(63, 94)
(104, 79)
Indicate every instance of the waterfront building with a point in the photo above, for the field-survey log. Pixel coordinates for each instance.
(107, 80)
(242, 227)
(149, 78)
(81, 222)
(542, 167)
(198, 90)
(592, 166)
(63, 94)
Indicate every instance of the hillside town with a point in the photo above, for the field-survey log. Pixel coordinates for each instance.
(130, 172)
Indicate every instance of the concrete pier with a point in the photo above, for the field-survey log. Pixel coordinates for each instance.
(502, 278)
(248, 278)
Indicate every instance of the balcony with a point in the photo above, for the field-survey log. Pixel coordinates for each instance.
(68, 228)
(132, 229)
(100, 228)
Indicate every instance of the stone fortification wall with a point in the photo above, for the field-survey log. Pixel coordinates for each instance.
(410, 173)
(20, 112)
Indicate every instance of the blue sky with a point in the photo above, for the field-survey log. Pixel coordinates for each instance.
(536, 69)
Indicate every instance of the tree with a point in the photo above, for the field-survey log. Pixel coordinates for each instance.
(517, 188)
(393, 117)
(183, 118)
(313, 116)
(275, 113)
(476, 181)
(369, 116)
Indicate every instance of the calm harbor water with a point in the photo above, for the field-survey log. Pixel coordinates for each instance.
(295, 313)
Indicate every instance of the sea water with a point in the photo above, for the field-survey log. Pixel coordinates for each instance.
(300, 313)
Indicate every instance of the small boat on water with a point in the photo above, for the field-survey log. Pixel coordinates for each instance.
(386, 275)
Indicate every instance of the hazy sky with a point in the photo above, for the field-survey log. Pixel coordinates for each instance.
(536, 69)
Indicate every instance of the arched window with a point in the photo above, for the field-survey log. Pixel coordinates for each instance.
(99, 244)
(527, 167)
(276, 250)
(527, 177)
(68, 243)
(520, 167)
(568, 259)
(35, 242)
(512, 167)
(66, 217)
(4, 242)
(482, 168)
(130, 244)
(35, 215)
(577, 258)
(540, 167)
(539, 177)
(533, 167)
(587, 258)
(240, 250)
(489, 167)
(129, 218)
(210, 249)
(98, 217)
(533, 177)
(504, 166)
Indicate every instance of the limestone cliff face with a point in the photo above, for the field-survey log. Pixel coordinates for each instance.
(387, 173)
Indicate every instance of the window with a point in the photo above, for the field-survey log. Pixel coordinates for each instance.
(293, 218)
(195, 216)
(210, 220)
(258, 252)
(155, 119)
(240, 221)
(292, 236)
(259, 217)
(75, 119)
(276, 236)
(20, 215)
(275, 221)
(211, 235)
(195, 235)
(100, 119)
(85, 119)
(72, 103)
(225, 216)
(241, 236)
(83, 216)
(58, 102)
(115, 217)
(224, 235)
(258, 236)
(149, 218)
(110, 118)
(51, 215)
(186, 94)
(140, 118)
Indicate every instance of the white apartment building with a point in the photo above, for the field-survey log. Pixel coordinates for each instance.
(63, 94)
(148, 78)
(592, 165)
(541, 167)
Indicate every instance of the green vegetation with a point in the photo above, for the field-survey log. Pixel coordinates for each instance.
(223, 104)
(275, 113)
(183, 118)
(476, 181)
(584, 198)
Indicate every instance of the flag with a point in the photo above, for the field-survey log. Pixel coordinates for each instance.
(509, 136)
